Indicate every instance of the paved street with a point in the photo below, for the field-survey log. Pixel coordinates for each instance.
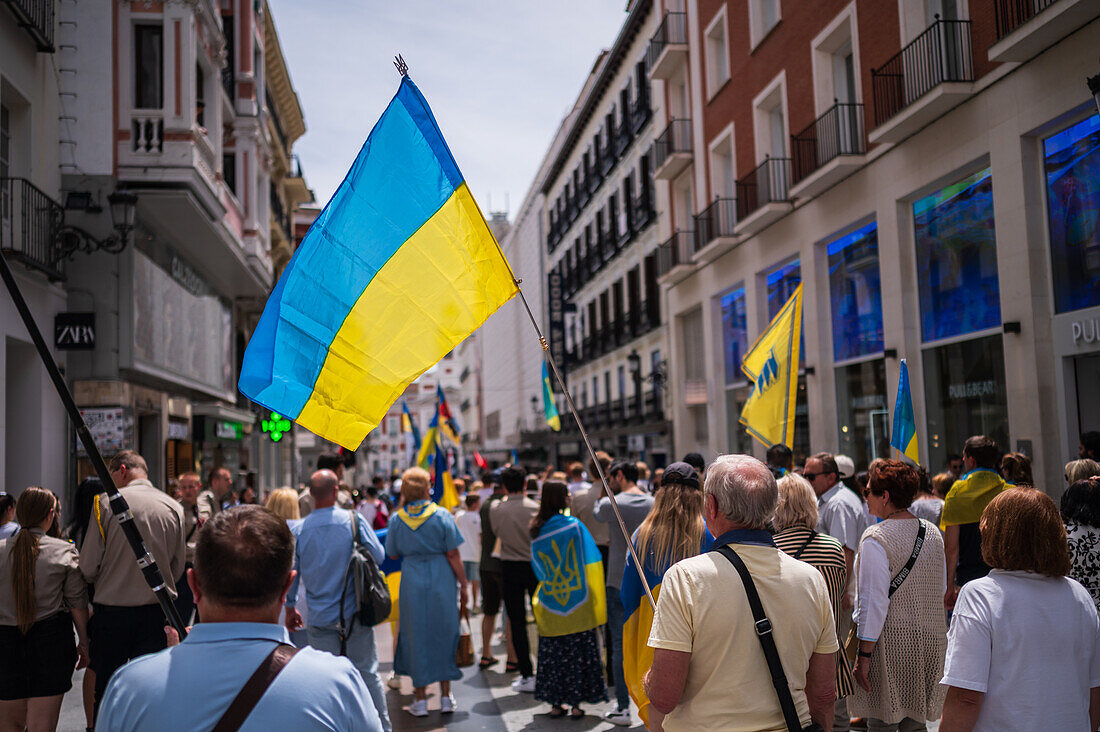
(485, 701)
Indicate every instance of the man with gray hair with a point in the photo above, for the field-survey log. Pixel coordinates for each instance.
(709, 670)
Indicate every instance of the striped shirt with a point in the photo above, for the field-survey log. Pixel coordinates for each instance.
(825, 554)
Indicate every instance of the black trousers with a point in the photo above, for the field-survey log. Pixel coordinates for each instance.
(185, 600)
(118, 634)
(519, 579)
(605, 553)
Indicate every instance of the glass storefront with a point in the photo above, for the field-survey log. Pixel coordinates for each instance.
(739, 441)
(855, 294)
(735, 336)
(1072, 162)
(863, 419)
(965, 395)
(781, 284)
(957, 259)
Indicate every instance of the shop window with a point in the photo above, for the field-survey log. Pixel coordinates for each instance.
(863, 420)
(965, 395)
(780, 285)
(957, 259)
(855, 294)
(1073, 209)
(782, 282)
(735, 336)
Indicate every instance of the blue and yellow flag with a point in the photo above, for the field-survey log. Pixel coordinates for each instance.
(443, 485)
(431, 439)
(570, 597)
(772, 367)
(447, 425)
(391, 568)
(549, 407)
(408, 426)
(904, 435)
(397, 270)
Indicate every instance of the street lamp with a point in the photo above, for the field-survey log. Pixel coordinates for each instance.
(72, 239)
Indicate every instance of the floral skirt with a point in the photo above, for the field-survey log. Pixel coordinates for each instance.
(570, 671)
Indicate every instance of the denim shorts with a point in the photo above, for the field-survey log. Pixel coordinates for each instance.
(471, 571)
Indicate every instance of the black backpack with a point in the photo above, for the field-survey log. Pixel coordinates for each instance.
(372, 594)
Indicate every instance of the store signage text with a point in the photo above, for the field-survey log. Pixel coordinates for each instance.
(1085, 331)
(972, 389)
(74, 331)
(228, 430)
(557, 321)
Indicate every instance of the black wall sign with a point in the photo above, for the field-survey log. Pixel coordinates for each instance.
(74, 331)
(557, 324)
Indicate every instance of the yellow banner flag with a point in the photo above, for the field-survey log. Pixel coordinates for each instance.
(772, 366)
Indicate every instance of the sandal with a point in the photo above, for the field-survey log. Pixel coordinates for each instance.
(556, 712)
(511, 667)
(486, 662)
(576, 714)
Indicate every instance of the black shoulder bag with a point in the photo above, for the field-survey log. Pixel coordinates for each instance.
(771, 653)
(372, 594)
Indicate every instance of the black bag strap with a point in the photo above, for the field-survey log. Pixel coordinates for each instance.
(344, 631)
(767, 642)
(805, 544)
(904, 571)
(253, 690)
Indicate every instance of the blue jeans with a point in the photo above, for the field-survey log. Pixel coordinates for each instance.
(362, 654)
(615, 620)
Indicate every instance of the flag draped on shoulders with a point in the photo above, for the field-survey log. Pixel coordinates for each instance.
(416, 513)
(397, 270)
(772, 367)
(969, 496)
(570, 597)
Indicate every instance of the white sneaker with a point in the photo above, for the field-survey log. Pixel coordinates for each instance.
(447, 704)
(619, 717)
(419, 708)
(525, 684)
(394, 681)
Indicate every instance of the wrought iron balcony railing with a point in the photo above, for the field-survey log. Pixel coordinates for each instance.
(675, 139)
(1011, 14)
(671, 31)
(767, 183)
(717, 219)
(837, 132)
(29, 222)
(674, 252)
(36, 17)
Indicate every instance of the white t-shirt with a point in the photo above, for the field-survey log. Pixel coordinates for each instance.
(469, 525)
(1031, 644)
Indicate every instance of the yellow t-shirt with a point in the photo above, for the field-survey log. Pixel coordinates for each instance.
(703, 610)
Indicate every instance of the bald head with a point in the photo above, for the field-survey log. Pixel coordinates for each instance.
(322, 486)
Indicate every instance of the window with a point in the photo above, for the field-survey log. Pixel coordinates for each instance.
(862, 416)
(957, 259)
(763, 16)
(735, 336)
(1072, 159)
(5, 163)
(782, 282)
(595, 390)
(621, 373)
(723, 170)
(717, 53)
(148, 67)
(855, 294)
(229, 171)
(200, 96)
(770, 119)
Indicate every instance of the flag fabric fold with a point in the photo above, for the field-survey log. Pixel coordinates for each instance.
(431, 438)
(397, 270)
(904, 435)
(447, 423)
(772, 367)
(549, 406)
(570, 597)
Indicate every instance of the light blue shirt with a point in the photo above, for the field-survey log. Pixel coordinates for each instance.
(190, 686)
(8, 529)
(322, 548)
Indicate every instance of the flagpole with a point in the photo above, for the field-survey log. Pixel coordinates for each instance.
(587, 444)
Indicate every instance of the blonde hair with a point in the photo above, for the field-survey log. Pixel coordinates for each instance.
(283, 502)
(797, 503)
(415, 485)
(31, 508)
(1080, 470)
(674, 528)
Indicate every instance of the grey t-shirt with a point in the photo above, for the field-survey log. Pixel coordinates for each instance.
(634, 507)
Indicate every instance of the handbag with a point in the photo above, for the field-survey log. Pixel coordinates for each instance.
(258, 683)
(767, 642)
(372, 594)
(464, 654)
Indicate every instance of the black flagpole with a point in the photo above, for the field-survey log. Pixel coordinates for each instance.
(119, 507)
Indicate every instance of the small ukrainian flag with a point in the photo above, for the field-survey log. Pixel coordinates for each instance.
(904, 435)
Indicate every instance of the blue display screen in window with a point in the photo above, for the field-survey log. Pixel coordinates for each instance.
(855, 294)
(1072, 162)
(735, 337)
(782, 283)
(957, 259)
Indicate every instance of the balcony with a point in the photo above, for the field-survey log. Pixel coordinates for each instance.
(29, 221)
(36, 17)
(607, 161)
(763, 195)
(640, 111)
(922, 81)
(672, 150)
(295, 183)
(714, 230)
(643, 214)
(828, 150)
(668, 48)
(624, 134)
(654, 405)
(1027, 27)
(674, 257)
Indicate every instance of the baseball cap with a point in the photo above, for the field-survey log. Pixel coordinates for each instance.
(680, 473)
(845, 466)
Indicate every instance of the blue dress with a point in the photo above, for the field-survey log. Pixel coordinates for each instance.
(428, 600)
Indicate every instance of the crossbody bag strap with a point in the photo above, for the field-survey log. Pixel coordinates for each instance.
(345, 630)
(254, 688)
(763, 628)
(904, 571)
(805, 544)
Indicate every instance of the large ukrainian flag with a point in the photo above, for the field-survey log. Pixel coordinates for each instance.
(570, 597)
(397, 270)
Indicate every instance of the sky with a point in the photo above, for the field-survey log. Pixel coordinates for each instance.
(499, 75)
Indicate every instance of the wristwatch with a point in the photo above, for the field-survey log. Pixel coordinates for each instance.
(863, 654)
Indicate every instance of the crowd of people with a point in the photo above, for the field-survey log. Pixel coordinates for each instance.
(887, 597)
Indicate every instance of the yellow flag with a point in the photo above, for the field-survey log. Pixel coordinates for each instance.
(772, 365)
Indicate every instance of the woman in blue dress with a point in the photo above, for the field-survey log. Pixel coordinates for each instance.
(426, 539)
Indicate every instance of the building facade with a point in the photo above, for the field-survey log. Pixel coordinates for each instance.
(927, 170)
